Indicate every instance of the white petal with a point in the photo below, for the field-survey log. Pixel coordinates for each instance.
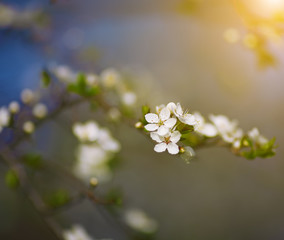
(170, 122)
(188, 119)
(179, 109)
(162, 130)
(151, 127)
(161, 147)
(165, 114)
(173, 148)
(155, 136)
(175, 136)
(208, 130)
(172, 107)
(152, 118)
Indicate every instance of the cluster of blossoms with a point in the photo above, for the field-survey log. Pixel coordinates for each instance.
(163, 126)
(170, 124)
(78, 233)
(94, 153)
(28, 104)
(109, 79)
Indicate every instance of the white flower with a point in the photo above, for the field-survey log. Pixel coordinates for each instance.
(107, 142)
(206, 129)
(86, 132)
(40, 110)
(184, 117)
(139, 221)
(14, 107)
(28, 96)
(129, 98)
(257, 137)
(160, 122)
(114, 114)
(227, 129)
(76, 233)
(92, 161)
(92, 79)
(4, 117)
(28, 127)
(110, 77)
(64, 74)
(167, 142)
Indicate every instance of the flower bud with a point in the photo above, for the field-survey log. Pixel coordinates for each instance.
(28, 127)
(94, 182)
(139, 125)
(14, 107)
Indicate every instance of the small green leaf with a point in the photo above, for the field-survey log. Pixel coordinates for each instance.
(32, 160)
(145, 109)
(12, 179)
(58, 198)
(45, 78)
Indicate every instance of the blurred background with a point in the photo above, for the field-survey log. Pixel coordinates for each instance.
(213, 56)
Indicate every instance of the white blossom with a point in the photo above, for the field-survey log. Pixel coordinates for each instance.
(92, 79)
(76, 233)
(255, 135)
(183, 116)
(28, 96)
(167, 142)
(28, 127)
(40, 110)
(162, 122)
(4, 117)
(14, 107)
(86, 132)
(92, 161)
(206, 129)
(107, 142)
(227, 129)
(140, 221)
(129, 98)
(110, 77)
(64, 74)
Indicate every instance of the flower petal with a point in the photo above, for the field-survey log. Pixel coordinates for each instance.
(179, 110)
(173, 148)
(155, 136)
(152, 118)
(188, 119)
(208, 130)
(170, 122)
(162, 130)
(151, 127)
(165, 114)
(172, 107)
(161, 147)
(175, 136)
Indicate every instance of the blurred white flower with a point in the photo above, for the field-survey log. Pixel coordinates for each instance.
(107, 142)
(140, 221)
(183, 116)
(64, 73)
(255, 135)
(28, 127)
(227, 129)
(76, 233)
(110, 77)
(14, 107)
(86, 132)
(92, 161)
(114, 114)
(162, 122)
(167, 142)
(4, 117)
(28, 96)
(129, 98)
(206, 129)
(40, 110)
(92, 79)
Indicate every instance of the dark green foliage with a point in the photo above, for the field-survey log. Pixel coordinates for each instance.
(12, 179)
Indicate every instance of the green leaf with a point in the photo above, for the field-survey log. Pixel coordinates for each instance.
(32, 160)
(45, 78)
(12, 179)
(145, 109)
(58, 198)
